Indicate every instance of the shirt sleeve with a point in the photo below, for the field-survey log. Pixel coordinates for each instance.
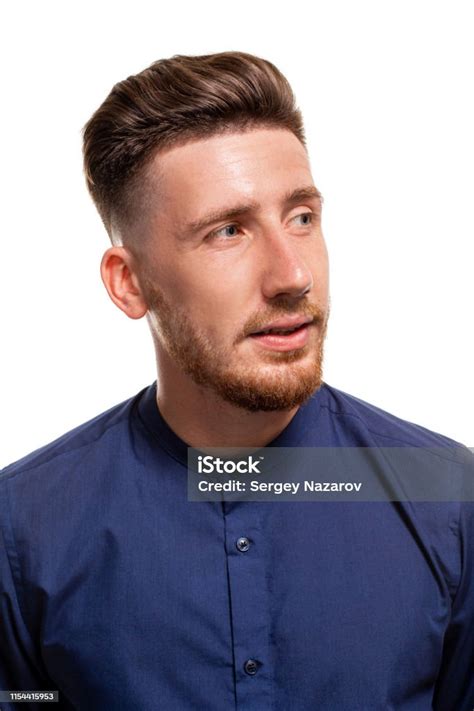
(19, 670)
(455, 684)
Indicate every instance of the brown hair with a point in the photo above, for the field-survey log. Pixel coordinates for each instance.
(173, 101)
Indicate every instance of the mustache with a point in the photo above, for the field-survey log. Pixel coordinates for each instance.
(307, 310)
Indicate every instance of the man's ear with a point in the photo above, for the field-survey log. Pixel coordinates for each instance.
(119, 275)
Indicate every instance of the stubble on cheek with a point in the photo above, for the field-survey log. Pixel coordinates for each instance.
(185, 343)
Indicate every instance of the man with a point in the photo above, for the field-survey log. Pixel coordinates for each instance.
(118, 591)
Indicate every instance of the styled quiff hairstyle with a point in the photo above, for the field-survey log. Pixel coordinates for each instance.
(171, 102)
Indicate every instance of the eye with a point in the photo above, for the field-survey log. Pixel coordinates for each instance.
(221, 232)
(308, 217)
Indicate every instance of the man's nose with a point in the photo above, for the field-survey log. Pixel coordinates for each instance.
(285, 269)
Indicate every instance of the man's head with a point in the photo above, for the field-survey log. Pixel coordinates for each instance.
(199, 170)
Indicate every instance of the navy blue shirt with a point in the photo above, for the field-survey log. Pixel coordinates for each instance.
(122, 594)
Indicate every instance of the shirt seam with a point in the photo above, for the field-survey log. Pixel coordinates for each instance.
(6, 475)
(454, 520)
(380, 434)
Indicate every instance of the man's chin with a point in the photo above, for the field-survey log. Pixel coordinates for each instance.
(267, 402)
(255, 394)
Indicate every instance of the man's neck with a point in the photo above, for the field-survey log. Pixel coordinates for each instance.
(202, 419)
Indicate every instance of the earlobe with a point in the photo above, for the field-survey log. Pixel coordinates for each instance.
(119, 277)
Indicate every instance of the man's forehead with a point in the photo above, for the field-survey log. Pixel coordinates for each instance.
(227, 159)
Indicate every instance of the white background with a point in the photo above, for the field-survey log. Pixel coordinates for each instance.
(386, 91)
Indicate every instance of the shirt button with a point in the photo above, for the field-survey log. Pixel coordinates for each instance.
(243, 544)
(251, 666)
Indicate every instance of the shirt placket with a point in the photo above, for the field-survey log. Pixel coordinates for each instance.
(249, 606)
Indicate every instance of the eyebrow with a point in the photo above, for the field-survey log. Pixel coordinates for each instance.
(295, 196)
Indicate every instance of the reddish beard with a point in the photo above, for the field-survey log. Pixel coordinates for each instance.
(258, 387)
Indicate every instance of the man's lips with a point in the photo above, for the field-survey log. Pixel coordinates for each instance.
(287, 323)
(286, 335)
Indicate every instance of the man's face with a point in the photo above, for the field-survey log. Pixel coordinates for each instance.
(213, 281)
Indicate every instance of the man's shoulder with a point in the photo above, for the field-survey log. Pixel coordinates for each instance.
(385, 427)
(77, 442)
